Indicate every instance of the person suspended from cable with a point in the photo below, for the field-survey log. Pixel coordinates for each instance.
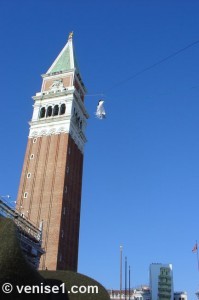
(100, 112)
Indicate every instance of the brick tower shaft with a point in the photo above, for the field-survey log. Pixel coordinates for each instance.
(51, 180)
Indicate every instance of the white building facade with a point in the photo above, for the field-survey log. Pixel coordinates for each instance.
(161, 281)
(140, 293)
(180, 296)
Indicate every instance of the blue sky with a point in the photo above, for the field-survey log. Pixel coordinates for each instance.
(141, 167)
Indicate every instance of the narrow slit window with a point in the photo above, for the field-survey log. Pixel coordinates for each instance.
(67, 169)
(25, 195)
(29, 175)
(65, 189)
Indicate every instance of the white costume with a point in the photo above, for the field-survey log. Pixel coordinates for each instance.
(100, 112)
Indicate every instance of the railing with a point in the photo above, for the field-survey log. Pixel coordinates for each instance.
(22, 223)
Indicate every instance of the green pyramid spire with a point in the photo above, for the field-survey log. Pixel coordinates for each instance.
(63, 63)
(66, 59)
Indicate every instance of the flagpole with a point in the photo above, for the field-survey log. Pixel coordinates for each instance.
(197, 254)
(121, 248)
(125, 278)
(129, 282)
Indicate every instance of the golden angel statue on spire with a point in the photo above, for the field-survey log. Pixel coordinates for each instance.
(70, 35)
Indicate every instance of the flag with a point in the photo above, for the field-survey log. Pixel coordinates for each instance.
(195, 248)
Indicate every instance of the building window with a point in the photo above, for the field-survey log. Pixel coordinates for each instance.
(65, 189)
(62, 109)
(69, 151)
(67, 169)
(28, 175)
(62, 233)
(25, 195)
(60, 257)
(49, 111)
(56, 110)
(31, 156)
(34, 140)
(64, 211)
(42, 112)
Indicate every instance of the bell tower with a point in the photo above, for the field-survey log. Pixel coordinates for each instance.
(51, 179)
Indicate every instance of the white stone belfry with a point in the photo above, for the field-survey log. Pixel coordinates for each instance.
(59, 107)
